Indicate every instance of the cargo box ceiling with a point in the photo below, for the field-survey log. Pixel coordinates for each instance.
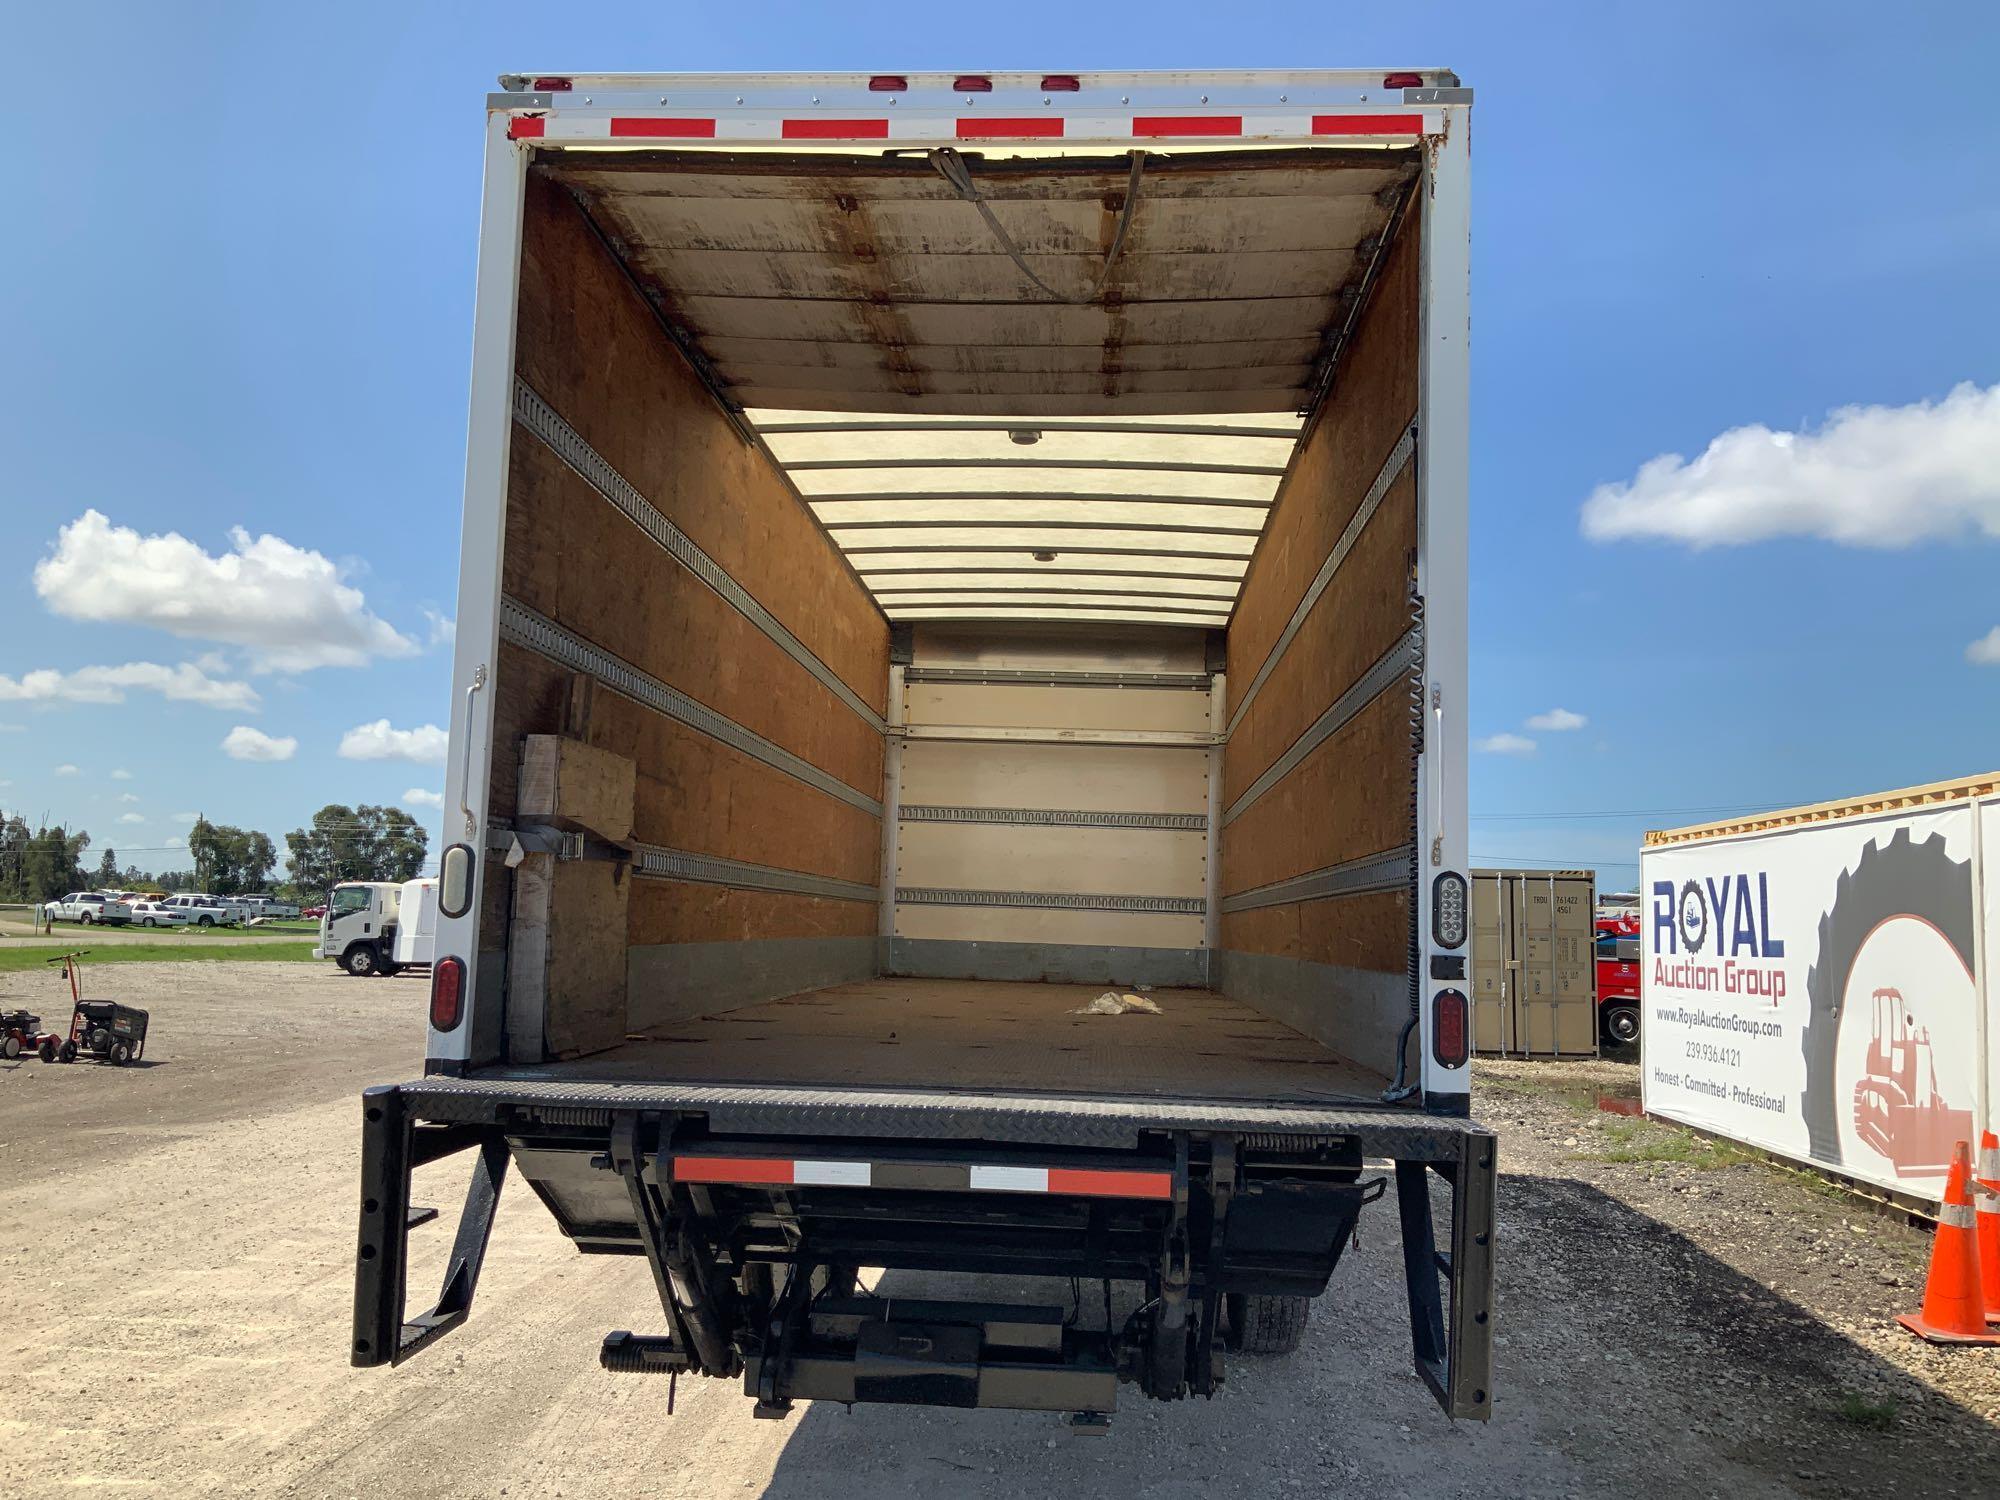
(1034, 387)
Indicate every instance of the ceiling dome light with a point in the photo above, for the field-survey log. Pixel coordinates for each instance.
(1025, 436)
(1045, 557)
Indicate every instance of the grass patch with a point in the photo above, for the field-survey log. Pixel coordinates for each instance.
(1635, 1140)
(21, 960)
(1858, 1410)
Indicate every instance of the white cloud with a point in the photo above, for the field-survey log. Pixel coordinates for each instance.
(444, 629)
(1557, 721)
(13, 728)
(182, 817)
(1871, 476)
(127, 797)
(424, 745)
(416, 796)
(121, 775)
(1505, 744)
(66, 769)
(245, 743)
(186, 683)
(131, 817)
(287, 606)
(1985, 652)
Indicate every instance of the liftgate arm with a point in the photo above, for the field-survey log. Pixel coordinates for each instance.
(1452, 1344)
(392, 1147)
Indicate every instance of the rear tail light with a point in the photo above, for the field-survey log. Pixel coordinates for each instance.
(888, 83)
(447, 993)
(552, 85)
(1403, 81)
(1451, 1028)
(972, 83)
(1448, 910)
(1061, 83)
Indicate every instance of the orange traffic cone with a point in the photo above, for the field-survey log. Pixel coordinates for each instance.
(1954, 1309)
(1986, 1205)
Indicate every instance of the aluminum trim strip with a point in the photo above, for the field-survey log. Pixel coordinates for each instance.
(1355, 877)
(930, 895)
(541, 419)
(1389, 668)
(1172, 739)
(1392, 466)
(1054, 817)
(1057, 677)
(534, 632)
(712, 869)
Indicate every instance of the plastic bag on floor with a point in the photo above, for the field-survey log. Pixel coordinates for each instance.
(1111, 1003)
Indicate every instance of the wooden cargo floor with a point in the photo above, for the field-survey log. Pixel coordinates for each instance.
(987, 1035)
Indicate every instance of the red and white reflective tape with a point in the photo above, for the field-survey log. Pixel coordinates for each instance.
(921, 1176)
(1987, 1173)
(1289, 125)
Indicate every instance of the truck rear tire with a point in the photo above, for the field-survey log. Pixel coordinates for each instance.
(360, 961)
(1260, 1324)
(1621, 1025)
(204, 921)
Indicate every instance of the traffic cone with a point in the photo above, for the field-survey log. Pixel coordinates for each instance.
(1986, 1213)
(1954, 1310)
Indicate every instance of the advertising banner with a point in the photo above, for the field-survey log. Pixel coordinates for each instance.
(1813, 991)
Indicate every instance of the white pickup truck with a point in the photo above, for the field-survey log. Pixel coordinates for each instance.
(207, 911)
(88, 908)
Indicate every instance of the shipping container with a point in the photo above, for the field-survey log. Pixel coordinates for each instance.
(1817, 981)
(1534, 973)
(958, 751)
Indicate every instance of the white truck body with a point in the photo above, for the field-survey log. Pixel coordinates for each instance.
(359, 930)
(416, 923)
(936, 546)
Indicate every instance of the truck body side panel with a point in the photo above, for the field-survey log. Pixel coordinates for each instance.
(590, 349)
(1319, 769)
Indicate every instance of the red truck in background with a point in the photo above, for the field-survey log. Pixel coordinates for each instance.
(1618, 979)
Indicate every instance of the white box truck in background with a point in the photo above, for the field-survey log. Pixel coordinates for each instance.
(1817, 982)
(937, 546)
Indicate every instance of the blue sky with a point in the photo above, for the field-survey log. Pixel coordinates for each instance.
(239, 273)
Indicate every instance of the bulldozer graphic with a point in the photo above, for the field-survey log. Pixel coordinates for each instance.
(1898, 1110)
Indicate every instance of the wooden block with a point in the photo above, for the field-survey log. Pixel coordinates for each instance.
(576, 786)
(566, 971)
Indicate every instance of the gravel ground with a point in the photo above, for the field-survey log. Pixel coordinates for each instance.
(177, 1242)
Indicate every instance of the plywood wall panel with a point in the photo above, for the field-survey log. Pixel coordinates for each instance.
(1362, 613)
(1373, 398)
(576, 559)
(672, 911)
(1349, 798)
(590, 345)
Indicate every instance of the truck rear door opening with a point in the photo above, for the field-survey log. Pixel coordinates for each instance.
(925, 569)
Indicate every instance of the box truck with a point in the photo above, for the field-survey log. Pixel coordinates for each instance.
(1817, 981)
(957, 754)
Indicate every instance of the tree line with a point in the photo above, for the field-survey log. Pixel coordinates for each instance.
(42, 862)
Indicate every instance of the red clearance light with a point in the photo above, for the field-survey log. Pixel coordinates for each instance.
(1403, 81)
(1061, 83)
(1451, 1041)
(888, 83)
(972, 84)
(447, 993)
(552, 85)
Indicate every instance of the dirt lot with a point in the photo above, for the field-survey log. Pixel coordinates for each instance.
(176, 1242)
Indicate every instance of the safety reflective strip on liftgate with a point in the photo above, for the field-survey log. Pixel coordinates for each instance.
(919, 1176)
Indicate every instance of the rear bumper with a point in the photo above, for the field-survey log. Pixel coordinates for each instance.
(612, 1163)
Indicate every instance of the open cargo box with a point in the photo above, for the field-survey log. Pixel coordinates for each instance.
(1000, 572)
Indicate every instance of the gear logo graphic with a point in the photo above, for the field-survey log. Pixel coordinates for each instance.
(1691, 913)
